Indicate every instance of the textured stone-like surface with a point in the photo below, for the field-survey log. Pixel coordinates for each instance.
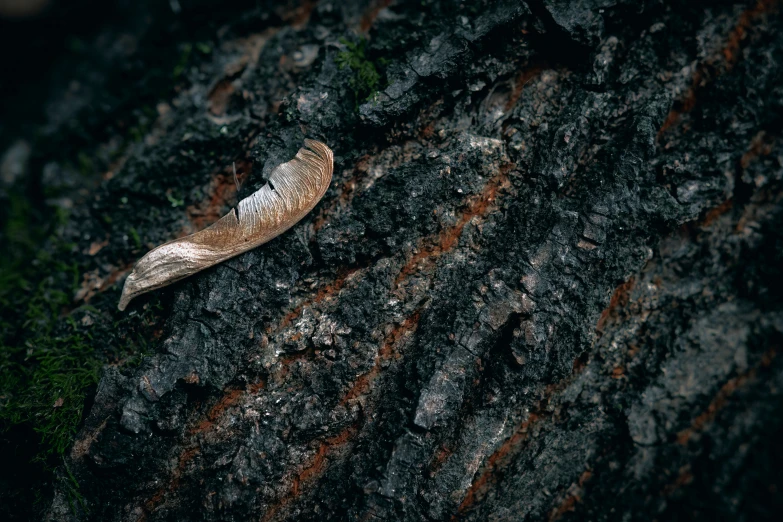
(544, 284)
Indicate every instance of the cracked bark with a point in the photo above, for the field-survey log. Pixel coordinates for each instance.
(544, 284)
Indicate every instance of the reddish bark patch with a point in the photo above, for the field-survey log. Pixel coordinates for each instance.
(684, 477)
(173, 484)
(522, 79)
(313, 470)
(230, 399)
(387, 351)
(512, 446)
(759, 146)
(299, 17)
(220, 96)
(721, 398)
(477, 206)
(495, 461)
(714, 213)
(717, 64)
(82, 446)
(570, 501)
(620, 298)
(439, 459)
(222, 193)
(320, 461)
(371, 14)
(325, 292)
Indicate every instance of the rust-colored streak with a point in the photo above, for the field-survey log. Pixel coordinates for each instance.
(325, 292)
(229, 400)
(81, 446)
(369, 16)
(318, 464)
(367, 170)
(522, 80)
(347, 191)
(497, 460)
(173, 484)
(299, 17)
(236, 395)
(222, 193)
(440, 458)
(311, 471)
(513, 445)
(478, 205)
(717, 64)
(389, 350)
(720, 399)
(714, 213)
(570, 501)
(684, 477)
(620, 298)
(759, 146)
(220, 96)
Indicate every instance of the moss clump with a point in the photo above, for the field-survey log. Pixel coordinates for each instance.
(46, 363)
(45, 367)
(46, 386)
(367, 75)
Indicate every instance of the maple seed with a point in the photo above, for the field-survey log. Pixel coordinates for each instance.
(293, 190)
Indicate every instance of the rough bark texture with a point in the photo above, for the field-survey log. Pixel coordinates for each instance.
(545, 283)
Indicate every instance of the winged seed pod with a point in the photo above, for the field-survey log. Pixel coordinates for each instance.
(293, 190)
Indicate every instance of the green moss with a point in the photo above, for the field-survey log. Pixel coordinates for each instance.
(45, 366)
(367, 74)
(48, 390)
(135, 236)
(204, 47)
(175, 201)
(46, 363)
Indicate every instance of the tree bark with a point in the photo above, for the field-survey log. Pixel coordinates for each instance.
(545, 283)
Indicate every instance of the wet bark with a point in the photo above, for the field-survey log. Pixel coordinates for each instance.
(545, 283)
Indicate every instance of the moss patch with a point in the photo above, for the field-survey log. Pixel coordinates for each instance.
(46, 364)
(367, 74)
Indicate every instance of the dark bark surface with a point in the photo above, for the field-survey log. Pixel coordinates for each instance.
(545, 283)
